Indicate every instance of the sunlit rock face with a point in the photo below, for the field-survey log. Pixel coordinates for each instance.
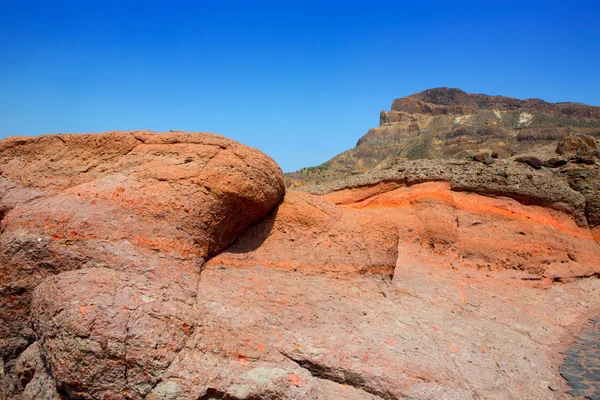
(137, 265)
(151, 206)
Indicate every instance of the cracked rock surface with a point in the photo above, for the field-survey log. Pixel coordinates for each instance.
(136, 265)
(582, 362)
(137, 213)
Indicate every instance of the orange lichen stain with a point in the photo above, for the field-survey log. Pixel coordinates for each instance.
(260, 347)
(463, 298)
(435, 328)
(242, 359)
(83, 310)
(453, 348)
(295, 380)
(391, 341)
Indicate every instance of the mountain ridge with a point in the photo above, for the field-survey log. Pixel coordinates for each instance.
(448, 123)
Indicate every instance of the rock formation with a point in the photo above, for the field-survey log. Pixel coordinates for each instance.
(447, 123)
(138, 213)
(136, 265)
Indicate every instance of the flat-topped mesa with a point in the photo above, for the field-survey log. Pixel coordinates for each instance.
(444, 101)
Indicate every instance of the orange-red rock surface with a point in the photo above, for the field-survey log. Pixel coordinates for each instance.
(168, 266)
(362, 233)
(151, 205)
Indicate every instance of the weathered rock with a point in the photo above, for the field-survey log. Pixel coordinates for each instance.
(578, 146)
(308, 234)
(33, 379)
(533, 162)
(505, 178)
(586, 180)
(556, 162)
(497, 234)
(422, 279)
(484, 157)
(433, 333)
(106, 332)
(205, 184)
(156, 205)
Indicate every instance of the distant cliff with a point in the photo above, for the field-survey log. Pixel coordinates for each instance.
(447, 123)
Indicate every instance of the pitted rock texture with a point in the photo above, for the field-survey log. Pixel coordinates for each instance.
(579, 147)
(103, 331)
(154, 205)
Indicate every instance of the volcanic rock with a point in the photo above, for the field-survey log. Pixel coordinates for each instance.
(533, 162)
(309, 234)
(154, 205)
(172, 266)
(578, 146)
(484, 157)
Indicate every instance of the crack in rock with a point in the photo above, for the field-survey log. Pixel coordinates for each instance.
(341, 376)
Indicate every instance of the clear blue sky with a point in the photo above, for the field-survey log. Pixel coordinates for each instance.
(301, 80)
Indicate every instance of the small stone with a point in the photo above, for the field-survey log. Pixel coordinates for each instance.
(533, 162)
(553, 388)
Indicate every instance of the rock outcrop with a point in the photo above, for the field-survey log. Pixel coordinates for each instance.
(153, 206)
(173, 266)
(506, 218)
(447, 123)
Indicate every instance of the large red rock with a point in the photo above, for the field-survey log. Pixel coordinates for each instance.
(451, 285)
(104, 332)
(153, 204)
(207, 186)
(497, 234)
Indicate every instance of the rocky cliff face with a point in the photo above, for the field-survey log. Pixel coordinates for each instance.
(449, 123)
(136, 265)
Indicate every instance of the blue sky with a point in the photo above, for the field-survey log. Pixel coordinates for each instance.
(302, 81)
